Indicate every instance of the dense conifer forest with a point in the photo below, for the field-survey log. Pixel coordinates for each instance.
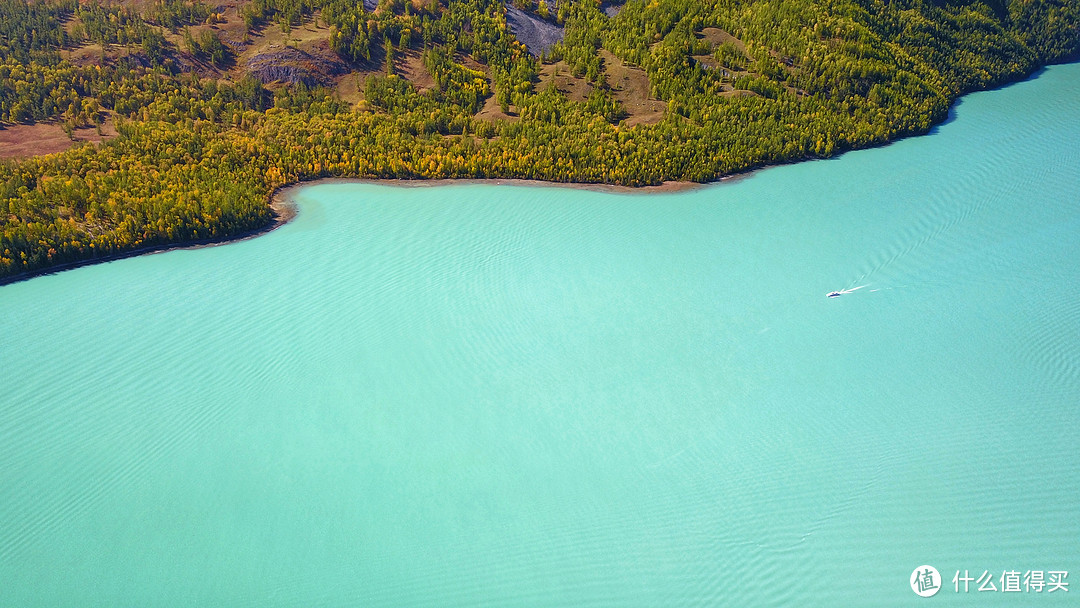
(632, 94)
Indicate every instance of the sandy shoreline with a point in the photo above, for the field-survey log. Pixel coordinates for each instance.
(283, 202)
(284, 208)
(666, 187)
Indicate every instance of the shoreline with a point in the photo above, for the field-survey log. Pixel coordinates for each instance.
(281, 212)
(283, 209)
(283, 206)
(282, 196)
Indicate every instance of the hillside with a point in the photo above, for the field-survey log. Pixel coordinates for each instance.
(183, 117)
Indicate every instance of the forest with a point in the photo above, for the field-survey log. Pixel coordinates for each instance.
(199, 152)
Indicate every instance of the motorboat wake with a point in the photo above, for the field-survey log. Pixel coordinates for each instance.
(837, 294)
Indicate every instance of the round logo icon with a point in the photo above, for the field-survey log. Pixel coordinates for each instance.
(925, 581)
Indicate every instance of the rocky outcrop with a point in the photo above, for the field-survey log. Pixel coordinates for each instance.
(536, 34)
(612, 8)
(294, 66)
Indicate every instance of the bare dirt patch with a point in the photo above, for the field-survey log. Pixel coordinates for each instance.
(271, 36)
(410, 65)
(232, 31)
(92, 54)
(311, 30)
(350, 87)
(631, 87)
(22, 141)
(716, 36)
(575, 88)
(493, 112)
(143, 6)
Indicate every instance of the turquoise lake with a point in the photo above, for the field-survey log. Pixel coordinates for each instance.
(485, 395)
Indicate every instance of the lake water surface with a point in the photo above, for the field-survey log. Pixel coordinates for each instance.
(534, 396)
